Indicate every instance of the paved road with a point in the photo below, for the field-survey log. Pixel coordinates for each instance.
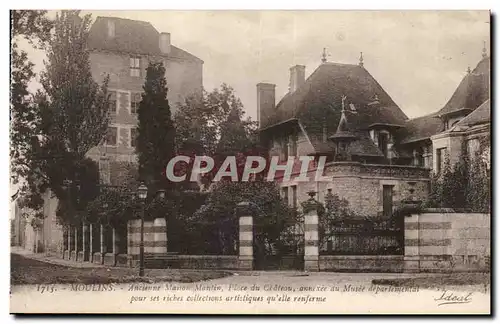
(278, 292)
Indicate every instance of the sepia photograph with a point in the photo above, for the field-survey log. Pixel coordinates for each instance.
(250, 162)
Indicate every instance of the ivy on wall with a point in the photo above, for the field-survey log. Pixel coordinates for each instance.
(466, 185)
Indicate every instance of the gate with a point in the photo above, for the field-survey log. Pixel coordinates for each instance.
(286, 253)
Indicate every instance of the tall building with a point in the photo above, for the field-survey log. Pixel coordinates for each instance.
(122, 49)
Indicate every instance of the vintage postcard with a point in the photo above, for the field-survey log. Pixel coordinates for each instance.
(250, 162)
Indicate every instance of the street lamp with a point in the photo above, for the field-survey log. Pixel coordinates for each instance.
(142, 192)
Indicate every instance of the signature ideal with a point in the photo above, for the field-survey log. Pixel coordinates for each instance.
(448, 297)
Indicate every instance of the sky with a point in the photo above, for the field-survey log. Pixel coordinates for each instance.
(419, 57)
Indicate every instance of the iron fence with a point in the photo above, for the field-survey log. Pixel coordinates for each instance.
(362, 237)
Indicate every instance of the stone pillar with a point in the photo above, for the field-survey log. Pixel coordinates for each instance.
(100, 247)
(245, 260)
(91, 242)
(110, 258)
(115, 241)
(102, 242)
(67, 252)
(411, 244)
(133, 239)
(160, 236)
(85, 242)
(74, 248)
(311, 239)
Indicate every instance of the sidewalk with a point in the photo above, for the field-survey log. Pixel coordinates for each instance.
(245, 273)
(54, 259)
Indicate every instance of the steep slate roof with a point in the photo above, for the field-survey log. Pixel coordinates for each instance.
(479, 116)
(317, 103)
(420, 128)
(131, 36)
(473, 90)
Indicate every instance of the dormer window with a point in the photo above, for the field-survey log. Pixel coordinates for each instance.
(383, 141)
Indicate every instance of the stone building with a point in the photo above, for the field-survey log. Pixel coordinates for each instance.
(376, 157)
(121, 49)
(462, 125)
(342, 113)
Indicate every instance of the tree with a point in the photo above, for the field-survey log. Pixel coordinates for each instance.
(478, 196)
(33, 26)
(204, 119)
(218, 224)
(214, 125)
(466, 185)
(156, 134)
(71, 118)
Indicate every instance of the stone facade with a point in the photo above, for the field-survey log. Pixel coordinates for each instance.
(440, 240)
(184, 79)
(116, 159)
(362, 185)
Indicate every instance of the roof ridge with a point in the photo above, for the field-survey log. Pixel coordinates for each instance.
(120, 18)
(434, 114)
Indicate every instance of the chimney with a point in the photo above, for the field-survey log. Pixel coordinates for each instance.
(297, 77)
(165, 43)
(111, 28)
(266, 101)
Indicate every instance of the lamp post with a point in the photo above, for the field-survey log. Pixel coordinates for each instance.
(142, 192)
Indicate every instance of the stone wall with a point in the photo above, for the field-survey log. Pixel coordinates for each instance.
(362, 185)
(184, 78)
(361, 263)
(440, 240)
(225, 262)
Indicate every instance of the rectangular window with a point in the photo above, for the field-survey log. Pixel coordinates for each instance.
(104, 171)
(135, 66)
(284, 194)
(133, 137)
(134, 102)
(440, 159)
(418, 157)
(284, 150)
(294, 196)
(111, 136)
(387, 200)
(383, 140)
(112, 103)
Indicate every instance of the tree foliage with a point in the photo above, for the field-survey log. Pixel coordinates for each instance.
(217, 224)
(69, 118)
(34, 26)
(156, 134)
(214, 125)
(466, 185)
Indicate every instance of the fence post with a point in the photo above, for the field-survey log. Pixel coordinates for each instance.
(311, 239)
(245, 260)
(91, 242)
(102, 242)
(76, 243)
(68, 231)
(412, 243)
(85, 242)
(160, 236)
